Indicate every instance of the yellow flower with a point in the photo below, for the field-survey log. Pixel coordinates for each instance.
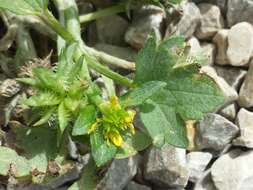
(115, 121)
(114, 137)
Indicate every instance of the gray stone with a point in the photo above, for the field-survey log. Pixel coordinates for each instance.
(166, 167)
(211, 21)
(222, 4)
(233, 76)
(111, 30)
(246, 92)
(209, 50)
(9, 88)
(205, 183)
(240, 44)
(119, 174)
(229, 93)
(221, 42)
(215, 132)
(126, 53)
(233, 171)
(135, 186)
(239, 11)
(195, 48)
(245, 123)
(197, 163)
(145, 21)
(187, 24)
(229, 111)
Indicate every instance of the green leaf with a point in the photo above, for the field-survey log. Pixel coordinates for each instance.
(63, 117)
(25, 7)
(140, 94)
(86, 118)
(38, 145)
(154, 61)
(42, 99)
(101, 151)
(188, 95)
(163, 124)
(45, 117)
(141, 141)
(88, 180)
(10, 161)
(127, 149)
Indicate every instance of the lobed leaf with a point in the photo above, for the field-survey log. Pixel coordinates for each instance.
(188, 95)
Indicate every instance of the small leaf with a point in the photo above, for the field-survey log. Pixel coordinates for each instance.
(25, 7)
(42, 99)
(63, 117)
(85, 119)
(45, 117)
(101, 151)
(10, 161)
(140, 94)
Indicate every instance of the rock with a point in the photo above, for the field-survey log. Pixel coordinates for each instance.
(135, 186)
(229, 93)
(239, 11)
(145, 21)
(229, 111)
(222, 4)
(246, 92)
(126, 53)
(240, 44)
(119, 174)
(215, 132)
(195, 48)
(221, 41)
(9, 88)
(187, 24)
(211, 21)
(166, 167)
(245, 122)
(233, 76)
(111, 35)
(209, 50)
(197, 163)
(232, 171)
(205, 183)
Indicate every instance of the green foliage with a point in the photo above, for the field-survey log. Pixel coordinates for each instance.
(10, 161)
(60, 93)
(188, 94)
(101, 151)
(39, 145)
(25, 7)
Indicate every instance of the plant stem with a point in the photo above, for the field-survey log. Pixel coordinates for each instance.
(102, 13)
(108, 73)
(51, 21)
(72, 34)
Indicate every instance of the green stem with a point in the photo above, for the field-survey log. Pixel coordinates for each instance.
(72, 35)
(103, 13)
(52, 22)
(108, 73)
